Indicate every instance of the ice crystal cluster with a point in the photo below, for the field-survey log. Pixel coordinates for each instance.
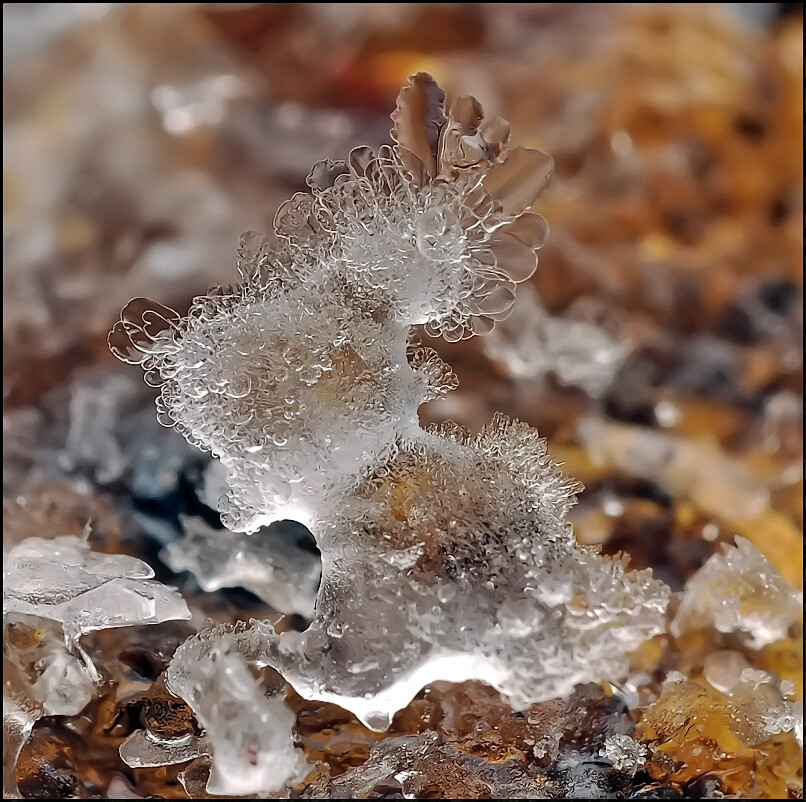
(60, 589)
(445, 555)
(740, 591)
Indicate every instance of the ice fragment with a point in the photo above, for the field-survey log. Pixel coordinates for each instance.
(249, 732)
(738, 590)
(63, 580)
(281, 573)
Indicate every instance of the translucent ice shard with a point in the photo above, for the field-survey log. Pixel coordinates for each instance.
(249, 730)
(281, 573)
(47, 671)
(144, 750)
(740, 591)
(63, 580)
(63, 686)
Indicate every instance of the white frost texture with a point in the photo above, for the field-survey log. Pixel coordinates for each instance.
(445, 555)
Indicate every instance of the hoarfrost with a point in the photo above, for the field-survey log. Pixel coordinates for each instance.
(445, 556)
(500, 591)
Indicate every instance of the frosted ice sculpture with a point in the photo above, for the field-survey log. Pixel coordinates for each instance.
(445, 556)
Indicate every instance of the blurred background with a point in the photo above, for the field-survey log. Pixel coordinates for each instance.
(659, 346)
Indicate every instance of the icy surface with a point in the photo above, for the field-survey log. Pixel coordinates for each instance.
(426, 769)
(63, 580)
(740, 591)
(445, 556)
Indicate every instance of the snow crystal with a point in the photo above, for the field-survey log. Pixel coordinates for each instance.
(624, 753)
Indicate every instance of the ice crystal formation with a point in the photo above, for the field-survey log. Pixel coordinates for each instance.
(740, 591)
(445, 555)
(60, 589)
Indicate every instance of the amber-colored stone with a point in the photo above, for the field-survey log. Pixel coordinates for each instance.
(696, 731)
